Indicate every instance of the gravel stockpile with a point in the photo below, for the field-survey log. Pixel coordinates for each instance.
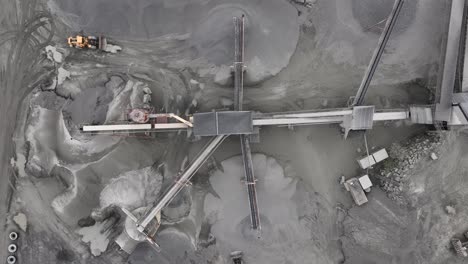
(404, 159)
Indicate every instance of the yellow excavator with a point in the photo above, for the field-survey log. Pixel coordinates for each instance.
(89, 42)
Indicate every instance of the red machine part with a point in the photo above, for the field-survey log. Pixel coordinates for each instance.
(138, 115)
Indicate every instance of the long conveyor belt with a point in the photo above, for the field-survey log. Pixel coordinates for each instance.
(178, 185)
(366, 80)
(244, 139)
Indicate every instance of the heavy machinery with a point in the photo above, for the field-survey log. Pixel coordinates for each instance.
(87, 42)
(460, 247)
(236, 257)
(143, 116)
(130, 237)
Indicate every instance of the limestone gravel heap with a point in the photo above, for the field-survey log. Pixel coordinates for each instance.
(404, 158)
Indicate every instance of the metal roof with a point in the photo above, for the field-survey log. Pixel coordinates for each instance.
(421, 114)
(222, 123)
(362, 117)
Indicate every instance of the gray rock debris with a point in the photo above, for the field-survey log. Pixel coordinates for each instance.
(404, 158)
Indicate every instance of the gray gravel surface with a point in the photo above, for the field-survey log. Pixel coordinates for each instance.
(180, 51)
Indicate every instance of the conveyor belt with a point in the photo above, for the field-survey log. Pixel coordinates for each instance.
(238, 66)
(359, 98)
(443, 108)
(276, 119)
(181, 181)
(238, 101)
(250, 182)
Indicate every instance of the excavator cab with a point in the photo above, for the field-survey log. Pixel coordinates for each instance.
(90, 42)
(78, 42)
(71, 41)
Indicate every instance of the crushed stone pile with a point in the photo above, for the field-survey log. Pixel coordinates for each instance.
(132, 189)
(403, 159)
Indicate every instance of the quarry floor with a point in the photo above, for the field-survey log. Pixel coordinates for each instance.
(298, 58)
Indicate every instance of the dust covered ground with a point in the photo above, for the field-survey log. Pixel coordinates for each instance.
(179, 53)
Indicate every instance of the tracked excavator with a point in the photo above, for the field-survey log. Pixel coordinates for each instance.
(459, 246)
(87, 42)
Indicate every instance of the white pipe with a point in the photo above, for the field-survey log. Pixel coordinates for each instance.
(133, 127)
(316, 114)
(387, 116)
(295, 121)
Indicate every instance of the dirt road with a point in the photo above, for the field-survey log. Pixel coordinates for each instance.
(21, 41)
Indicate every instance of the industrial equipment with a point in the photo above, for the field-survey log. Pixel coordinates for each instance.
(143, 116)
(130, 237)
(376, 157)
(460, 247)
(148, 223)
(366, 80)
(357, 187)
(137, 115)
(236, 257)
(87, 42)
(223, 124)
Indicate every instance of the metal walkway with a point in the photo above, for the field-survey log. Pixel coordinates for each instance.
(238, 67)
(134, 127)
(335, 116)
(250, 180)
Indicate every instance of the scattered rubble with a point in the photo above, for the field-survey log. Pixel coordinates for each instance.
(403, 159)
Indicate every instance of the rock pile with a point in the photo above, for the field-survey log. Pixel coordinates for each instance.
(403, 159)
